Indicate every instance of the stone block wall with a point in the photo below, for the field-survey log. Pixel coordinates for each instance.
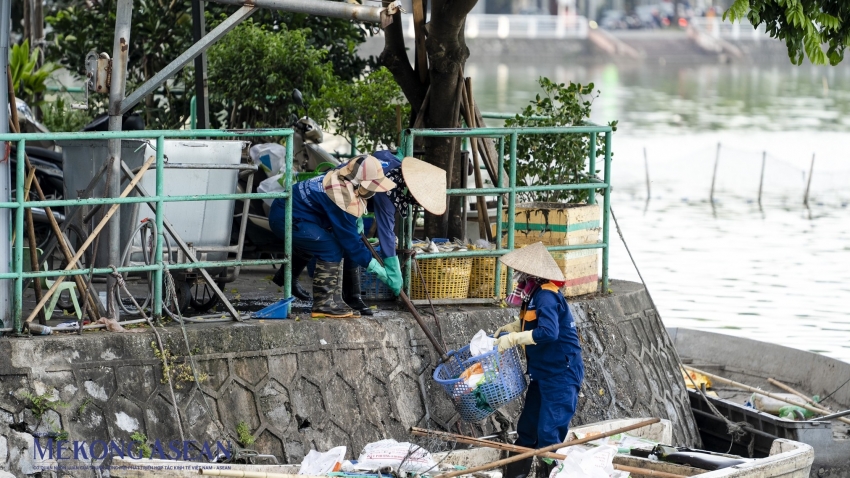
(308, 384)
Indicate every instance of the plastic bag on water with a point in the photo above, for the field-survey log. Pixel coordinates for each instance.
(481, 344)
(587, 463)
(402, 456)
(318, 463)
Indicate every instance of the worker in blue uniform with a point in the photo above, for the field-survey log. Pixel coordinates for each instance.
(547, 331)
(417, 182)
(325, 213)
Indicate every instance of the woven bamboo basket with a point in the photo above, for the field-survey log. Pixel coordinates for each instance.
(483, 278)
(446, 278)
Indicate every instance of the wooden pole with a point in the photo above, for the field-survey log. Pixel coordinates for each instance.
(714, 176)
(57, 231)
(761, 177)
(809, 182)
(446, 436)
(523, 456)
(484, 231)
(748, 388)
(73, 262)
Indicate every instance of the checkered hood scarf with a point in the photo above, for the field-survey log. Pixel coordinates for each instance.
(341, 190)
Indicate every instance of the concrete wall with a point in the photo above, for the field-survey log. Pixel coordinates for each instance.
(316, 384)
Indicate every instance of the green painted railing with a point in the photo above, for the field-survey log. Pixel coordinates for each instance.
(512, 134)
(159, 266)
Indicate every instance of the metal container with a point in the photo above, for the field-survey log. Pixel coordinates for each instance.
(202, 224)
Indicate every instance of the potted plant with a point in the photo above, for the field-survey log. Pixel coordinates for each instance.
(559, 217)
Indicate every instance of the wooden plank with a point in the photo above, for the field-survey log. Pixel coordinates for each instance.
(419, 33)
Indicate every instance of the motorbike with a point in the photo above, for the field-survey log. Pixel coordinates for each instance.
(308, 159)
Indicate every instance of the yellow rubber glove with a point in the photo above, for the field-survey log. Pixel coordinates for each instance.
(515, 326)
(513, 339)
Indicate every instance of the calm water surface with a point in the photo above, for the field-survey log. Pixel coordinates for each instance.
(779, 272)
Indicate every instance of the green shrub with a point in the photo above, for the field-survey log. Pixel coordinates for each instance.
(556, 159)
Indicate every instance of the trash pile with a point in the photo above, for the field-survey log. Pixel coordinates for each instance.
(381, 458)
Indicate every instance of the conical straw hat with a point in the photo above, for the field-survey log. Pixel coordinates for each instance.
(426, 183)
(534, 260)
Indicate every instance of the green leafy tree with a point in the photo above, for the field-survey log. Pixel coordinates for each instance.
(58, 116)
(29, 80)
(253, 70)
(804, 25)
(555, 159)
(161, 31)
(365, 108)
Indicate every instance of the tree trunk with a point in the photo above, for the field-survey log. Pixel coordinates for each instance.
(447, 54)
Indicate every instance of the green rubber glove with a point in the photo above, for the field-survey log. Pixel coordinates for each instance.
(360, 225)
(376, 268)
(515, 326)
(394, 274)
(513, 339)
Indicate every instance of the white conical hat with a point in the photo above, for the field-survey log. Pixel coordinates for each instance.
(426, 183)
(534, 260)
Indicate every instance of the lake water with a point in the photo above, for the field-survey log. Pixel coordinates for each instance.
(778, 273)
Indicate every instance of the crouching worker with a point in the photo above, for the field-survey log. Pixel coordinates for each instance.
(417, 182)
(325, 212)
(547, 331)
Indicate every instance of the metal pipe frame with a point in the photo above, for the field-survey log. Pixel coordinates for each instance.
(324, 8)
(6, 291)
(186, 57)
(512, 134)
(156, 202)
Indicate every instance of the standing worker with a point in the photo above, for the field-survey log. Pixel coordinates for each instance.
(417, 182)
(325, 214)
(547, 330)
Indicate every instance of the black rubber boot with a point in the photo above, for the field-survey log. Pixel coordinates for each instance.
(351, 288)
(299, 263)
(517, 469)
(326, 286)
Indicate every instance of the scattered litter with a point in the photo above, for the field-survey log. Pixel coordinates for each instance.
(402, 456)
(318, 463)
(771, 405)
(481, 343)
(323, 341)
(587, 463)
(697, 378)
(71, 325)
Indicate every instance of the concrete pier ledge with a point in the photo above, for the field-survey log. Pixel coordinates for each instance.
(309, 383)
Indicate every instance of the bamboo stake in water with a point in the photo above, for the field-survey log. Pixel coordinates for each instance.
(809, 182)
(646, 165)
(761, 178)
(523, 456)
(714, 176)
(72, 263)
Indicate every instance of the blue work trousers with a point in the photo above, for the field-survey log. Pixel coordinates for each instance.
(549, 406)
(307, 237)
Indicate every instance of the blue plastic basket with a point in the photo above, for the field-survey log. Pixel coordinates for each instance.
(278, 310)
(504, 382)
(371, 288)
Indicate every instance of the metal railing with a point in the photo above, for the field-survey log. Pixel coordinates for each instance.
(519, 26)
(718, 28)
(159, 266)
(512, 134)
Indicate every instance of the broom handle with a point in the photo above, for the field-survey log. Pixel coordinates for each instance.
(439, 348)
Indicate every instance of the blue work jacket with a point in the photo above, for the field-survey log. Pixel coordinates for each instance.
(557, 351)
(310, 203)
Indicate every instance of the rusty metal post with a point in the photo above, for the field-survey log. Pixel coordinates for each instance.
(120, 53)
